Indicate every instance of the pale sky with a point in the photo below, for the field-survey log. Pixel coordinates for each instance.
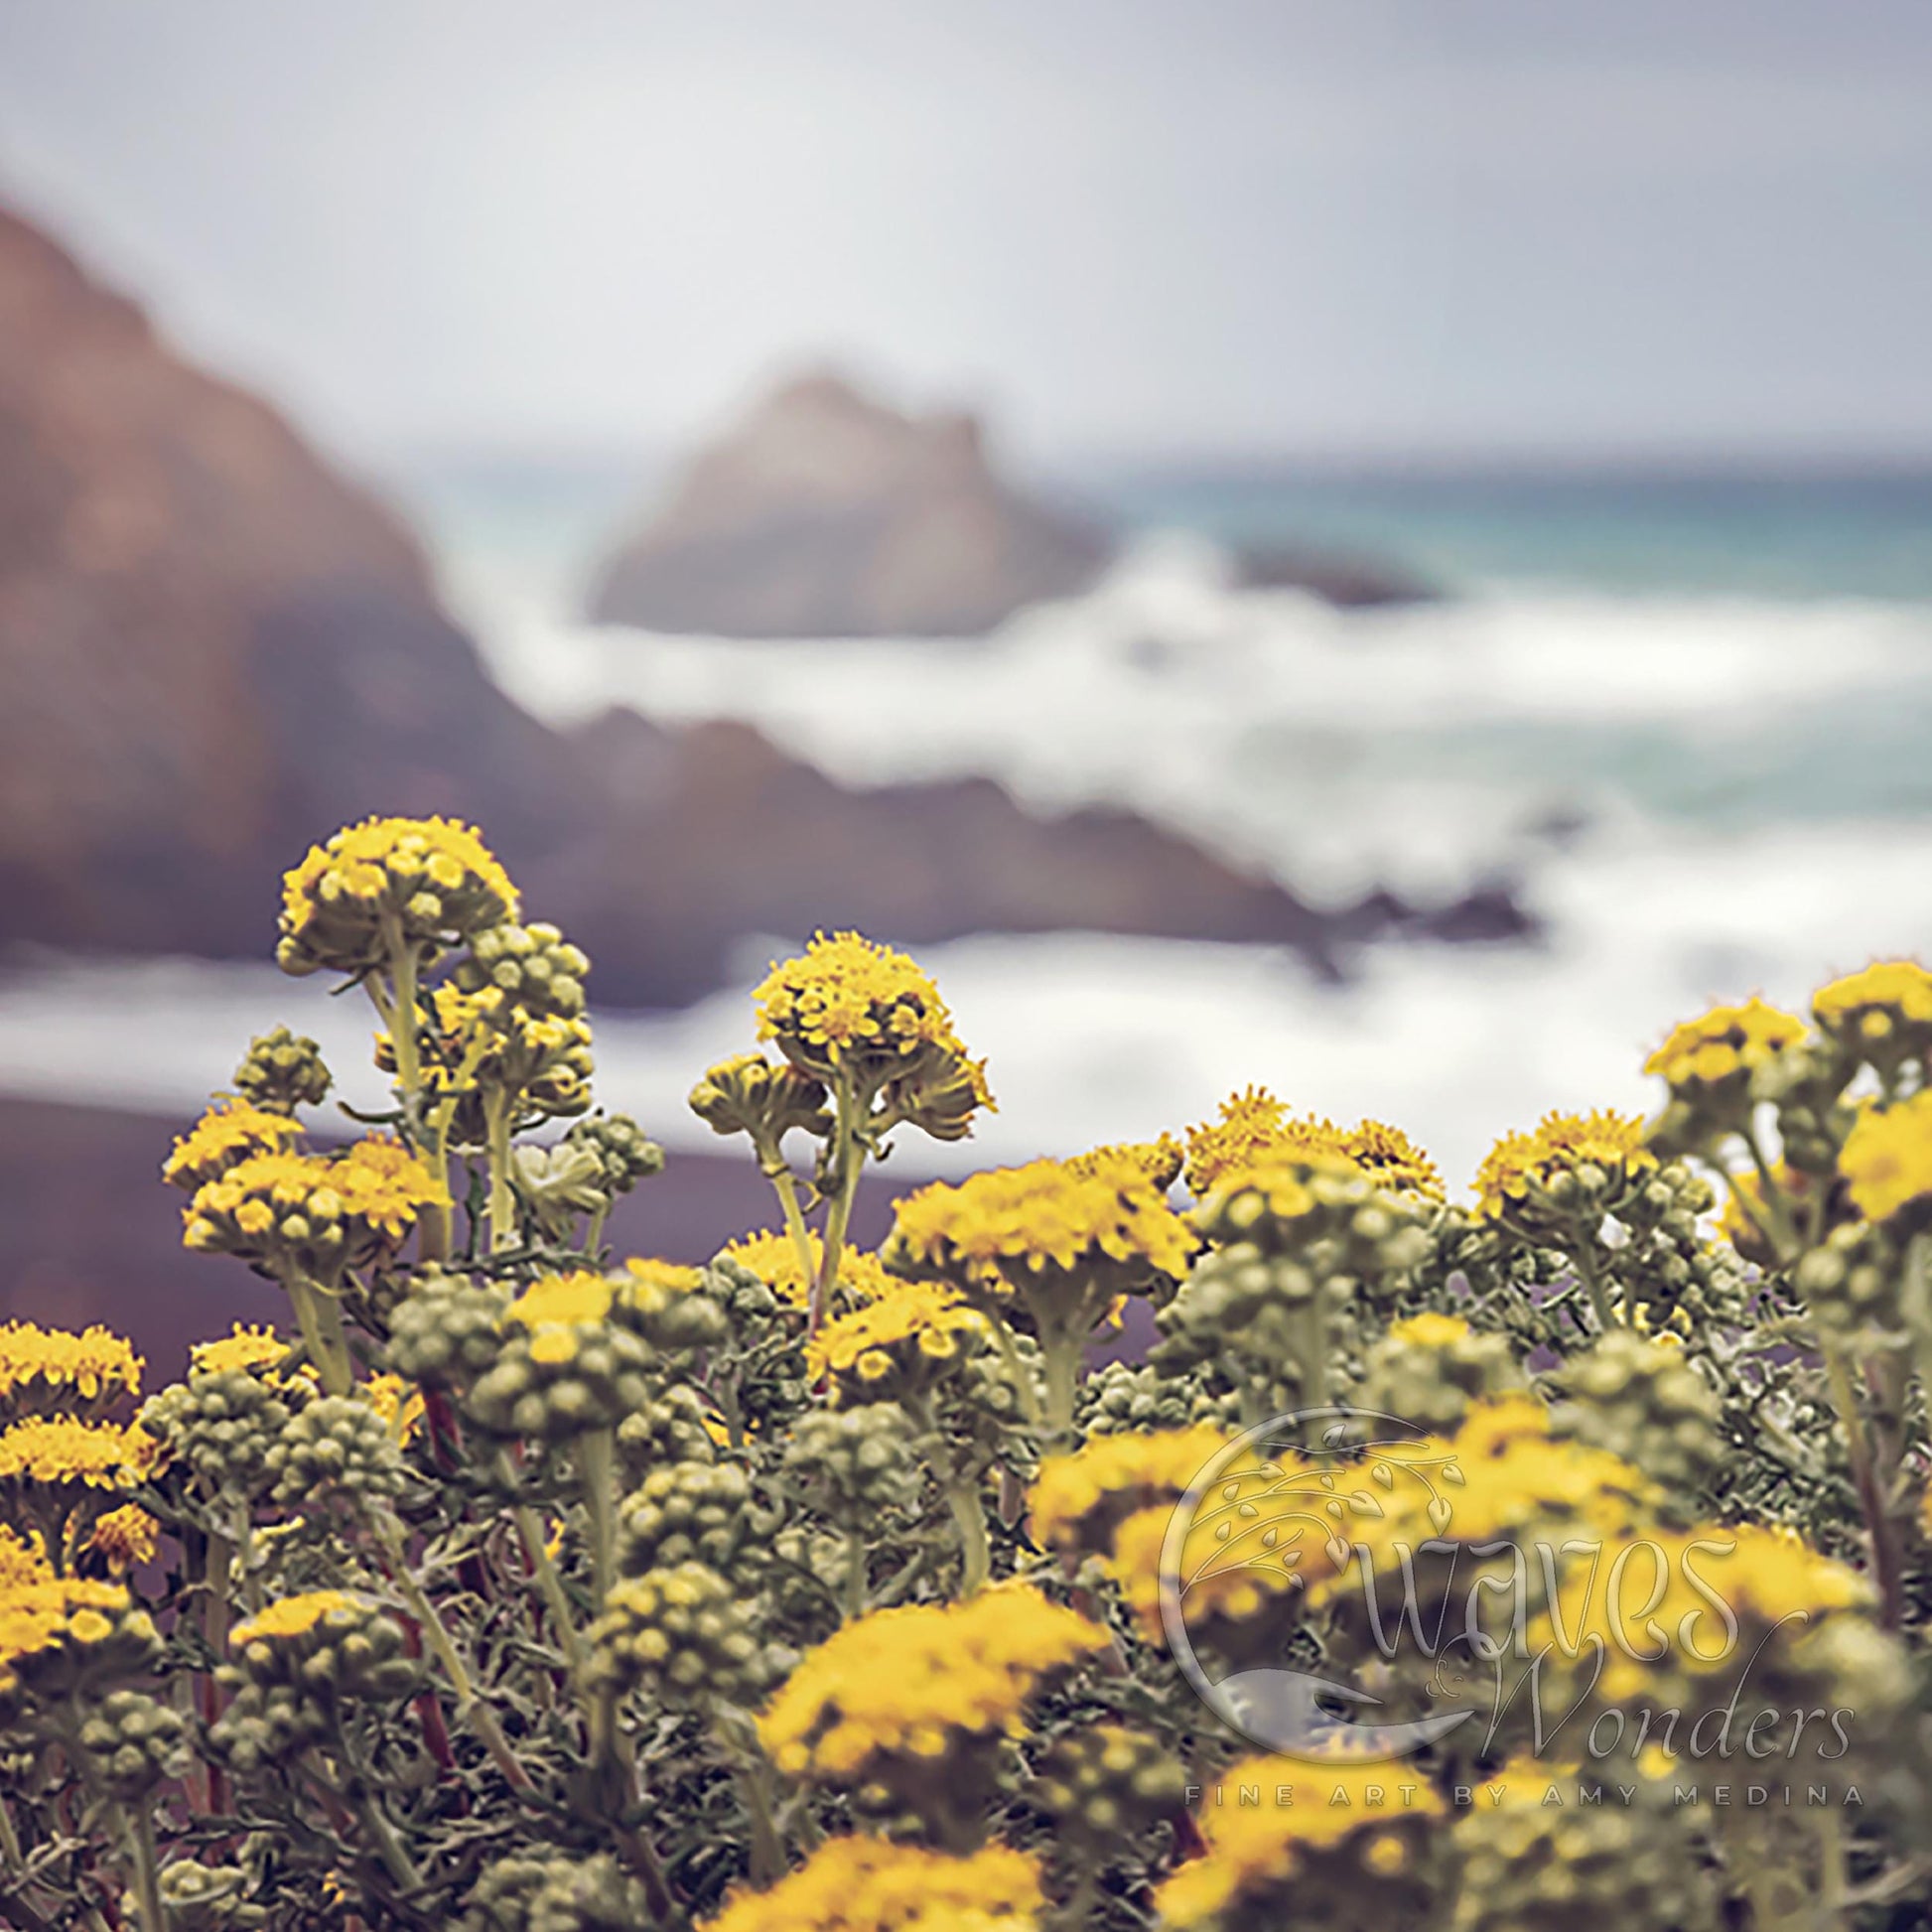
(1129, 226)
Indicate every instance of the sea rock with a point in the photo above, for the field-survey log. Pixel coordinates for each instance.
(1341, 577)
(214, 648)
(715, 834)
(826, 513)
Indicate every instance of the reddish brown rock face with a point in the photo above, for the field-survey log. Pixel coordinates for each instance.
(213, 650)
(827, 514)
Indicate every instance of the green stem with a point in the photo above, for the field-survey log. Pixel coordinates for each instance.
(503, 1199)
(1063, 1352)
(1776, 1205)
(785, 1184)
(597, 1455)
(395, 1861)
(1871, 1497)
(469, 1707)
(1587, 1273)
(320, 1317)
(969, 1517)
(767, 1852)
(137, 1830)
(402, 1021)
(537, 1549)
(848, 1161)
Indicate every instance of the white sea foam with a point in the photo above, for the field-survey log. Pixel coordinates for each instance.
(1422, 746)
(1095, 1039)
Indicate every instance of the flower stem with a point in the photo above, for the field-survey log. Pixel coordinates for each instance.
(598, 1468)
(784, 1184)
(848, 1160)
(137, 1828)
(320, 1318)
(402, 1021)
(502, 1200)
(549, 1582)
(469, 1706)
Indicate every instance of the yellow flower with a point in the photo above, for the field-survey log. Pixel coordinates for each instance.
(124, 1538)
(1520, 1168)
(55, 1450)
(899, 1681)
(229, 1132)
(1159, 1161)
(772, 1256)
(1723, 1046)
(244, 1348)
(1869, 1010)
(563, 1300)
(318, 1212)
(667, 1277)
(42, 1615)
(1252, 1124)
(22, 1559)
(929, 1316)
(421, 881)
(1887, 1156)
(849, 1005)
(1431, 1331)
(296, 1616)
(1391, 1159)
(998, 1229)
(1255, 1851)
(38, 1366)
(870, 1884)
(1116, 1474)
(398, 1402)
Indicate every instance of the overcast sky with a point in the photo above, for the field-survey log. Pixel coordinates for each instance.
(1268, 225)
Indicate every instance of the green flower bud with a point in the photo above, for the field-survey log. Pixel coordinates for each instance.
(283, 1071)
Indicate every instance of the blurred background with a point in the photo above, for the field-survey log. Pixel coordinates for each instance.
(1380, 549)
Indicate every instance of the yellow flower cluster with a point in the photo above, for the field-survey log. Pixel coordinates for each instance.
(1886, 1160)
(246, 1348)
(869, 1884)
(1522, 1165)
(1723, 1045)
(929, 1316)
(1256, 1130)
(1761, 1577)
(484, 1039)
(420, 882)
(1158, 1161)
(1867, 1008)
(847, 1002)
(999, 1227)
(773, 1257)
(324, 1211)
(124, 1538)
(58, 1450)
(1255, 1850)
(296, 1616)
(556, 1309)
(652, 1275)
(909, 1682)
(42, 1366)
(22, 1559)
(41, 1613)
(227, 1135)
(1127, 1471)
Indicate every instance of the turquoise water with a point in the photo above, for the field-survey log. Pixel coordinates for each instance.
(1846, 535)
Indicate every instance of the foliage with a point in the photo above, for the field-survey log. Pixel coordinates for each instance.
(498, 1580)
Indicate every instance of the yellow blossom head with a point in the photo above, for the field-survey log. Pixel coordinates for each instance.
(1886, 1160)
(871, 1885)
(228, 1133)
(425, 883)
(82, 1373)
(1575, 1165)
(849, 1008)
(1708, 1061)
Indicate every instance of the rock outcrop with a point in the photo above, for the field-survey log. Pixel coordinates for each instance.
(825, 513)
(212, 649)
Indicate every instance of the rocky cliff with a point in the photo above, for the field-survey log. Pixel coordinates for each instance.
(214, 648)
(825, 513)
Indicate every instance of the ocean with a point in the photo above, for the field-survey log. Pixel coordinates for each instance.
(1687, 719)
